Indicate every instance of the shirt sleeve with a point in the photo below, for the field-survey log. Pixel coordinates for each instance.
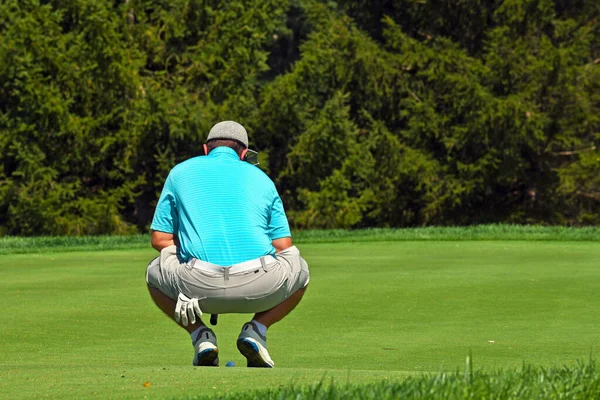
(278, 222)
(165, 215)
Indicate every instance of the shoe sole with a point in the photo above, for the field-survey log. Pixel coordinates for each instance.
(206, 358)
(250, 349)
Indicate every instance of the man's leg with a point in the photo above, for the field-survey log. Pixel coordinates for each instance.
(276, 314)
(203, 338)
(252, 341)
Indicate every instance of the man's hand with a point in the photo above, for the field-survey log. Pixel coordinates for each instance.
(186, 310)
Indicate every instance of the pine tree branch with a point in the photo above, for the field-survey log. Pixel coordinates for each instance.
(572, 152)
(589, 195)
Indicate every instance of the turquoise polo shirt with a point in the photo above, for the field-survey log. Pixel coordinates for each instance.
(222, 210)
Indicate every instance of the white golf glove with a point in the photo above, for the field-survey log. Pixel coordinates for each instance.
(186, 310)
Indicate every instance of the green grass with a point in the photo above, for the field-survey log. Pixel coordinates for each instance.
(23, 245)
(81, 324)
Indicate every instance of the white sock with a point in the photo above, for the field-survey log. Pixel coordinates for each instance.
(195, 334)
(261, 328)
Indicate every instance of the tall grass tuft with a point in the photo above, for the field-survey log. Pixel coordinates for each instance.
(581, 381)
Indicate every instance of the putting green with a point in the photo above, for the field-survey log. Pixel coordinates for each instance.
(81, 324)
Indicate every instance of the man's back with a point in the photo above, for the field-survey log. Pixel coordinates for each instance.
(226, 211)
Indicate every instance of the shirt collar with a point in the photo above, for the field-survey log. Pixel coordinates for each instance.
(223, 151)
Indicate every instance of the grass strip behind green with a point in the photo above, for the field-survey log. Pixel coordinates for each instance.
(21, 245)
(476, 232)
(531, 382)
(41, 244)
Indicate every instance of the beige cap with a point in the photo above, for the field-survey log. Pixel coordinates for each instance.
(229, 130)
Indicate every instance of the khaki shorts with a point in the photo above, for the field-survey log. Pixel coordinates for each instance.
(251, 287)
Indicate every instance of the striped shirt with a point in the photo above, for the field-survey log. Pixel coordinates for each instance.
(222, 210)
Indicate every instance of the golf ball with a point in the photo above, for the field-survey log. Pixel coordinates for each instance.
(230, 364)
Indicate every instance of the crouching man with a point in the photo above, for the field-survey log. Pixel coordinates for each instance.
(225, 247)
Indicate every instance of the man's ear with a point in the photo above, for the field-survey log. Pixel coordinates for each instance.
(243, 155)
(205, 149)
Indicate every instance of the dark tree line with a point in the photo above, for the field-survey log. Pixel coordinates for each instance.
(365, 113)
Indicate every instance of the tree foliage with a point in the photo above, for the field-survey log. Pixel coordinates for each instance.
(379, 113)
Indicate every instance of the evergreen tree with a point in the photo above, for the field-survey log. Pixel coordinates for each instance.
(379, 113)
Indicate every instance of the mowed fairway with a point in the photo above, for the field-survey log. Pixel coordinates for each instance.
(81, 324)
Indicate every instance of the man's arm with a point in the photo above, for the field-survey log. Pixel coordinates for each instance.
(160, 240)
(282, 243)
